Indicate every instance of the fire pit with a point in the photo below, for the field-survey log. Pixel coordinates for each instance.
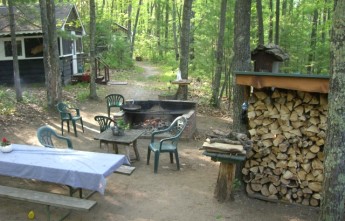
(157, 114)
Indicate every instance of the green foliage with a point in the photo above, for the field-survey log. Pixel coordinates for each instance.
(7, 104)
(30, 98)
(8, 100)
(219, 217)
(236, 185)
(122, 124)
(118, 53)
(81, 90)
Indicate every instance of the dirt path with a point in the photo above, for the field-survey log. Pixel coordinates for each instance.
(169, 195)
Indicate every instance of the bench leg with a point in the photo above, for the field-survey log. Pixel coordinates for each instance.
(48, 212)
(62, 218)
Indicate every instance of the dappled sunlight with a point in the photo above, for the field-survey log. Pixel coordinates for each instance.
(170, 194)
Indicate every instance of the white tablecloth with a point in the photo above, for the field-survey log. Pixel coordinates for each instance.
(79, 169)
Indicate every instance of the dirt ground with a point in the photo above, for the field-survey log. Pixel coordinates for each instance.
(170, 195)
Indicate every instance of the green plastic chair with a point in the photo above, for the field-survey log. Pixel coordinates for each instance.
(67, 116)
(46, 135)
(104, 123)
(167, 145)
(114, 100)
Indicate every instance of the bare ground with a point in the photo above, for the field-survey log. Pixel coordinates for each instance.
(169, 195)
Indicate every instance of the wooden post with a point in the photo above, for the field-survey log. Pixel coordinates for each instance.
(226, 175)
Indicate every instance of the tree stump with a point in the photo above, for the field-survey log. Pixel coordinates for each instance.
(226, 175)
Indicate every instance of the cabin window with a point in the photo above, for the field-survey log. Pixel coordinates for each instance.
(79, 45)
(33, 47)
(8, 48)
(66, 46)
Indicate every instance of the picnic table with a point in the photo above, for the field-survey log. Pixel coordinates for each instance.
(78, 169)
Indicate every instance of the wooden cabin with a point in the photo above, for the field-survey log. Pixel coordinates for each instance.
(30, 43)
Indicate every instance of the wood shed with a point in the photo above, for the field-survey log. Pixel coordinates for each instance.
(287, 122)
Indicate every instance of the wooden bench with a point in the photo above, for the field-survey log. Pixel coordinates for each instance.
(48, 199)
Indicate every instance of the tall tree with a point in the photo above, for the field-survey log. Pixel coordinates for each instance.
(270, 29)
(241, 59)
(129, 21)
(158, 12)
(175, 30)
(16, 74)
(276, 36)
(135, 27)
(184, 47)
(51, 53)
(332, 204)
(219, 56)
(4, 2)
(93, 91)
(166, 32)
(313, 36)
(260, 22)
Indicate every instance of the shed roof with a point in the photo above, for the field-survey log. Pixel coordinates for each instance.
(299, 82)
(273, 50)
(28, 18)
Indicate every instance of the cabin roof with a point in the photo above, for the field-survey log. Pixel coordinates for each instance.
(28, 18)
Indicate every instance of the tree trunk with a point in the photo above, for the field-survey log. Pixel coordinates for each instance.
(16, 74)
(52, 67)
(46, 53)
(332, 204)
(184, 47)
(158, 27)
(135, 27)
(241, 58)
(219, 56)
(166, 32)
(175, 30)
(270, 31)
(260, 22)
(129, 23)
(93, 92)
(4, 2)
(313, 36)
(226, 176)
(276, 38)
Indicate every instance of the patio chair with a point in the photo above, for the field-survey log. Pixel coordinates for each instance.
(46, 135)
(67, 116)
(115, 100)
(169, 144)
(104, 123)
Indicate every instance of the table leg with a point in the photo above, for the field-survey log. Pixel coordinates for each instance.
(127, 153)
(115, 148)
(136, 150)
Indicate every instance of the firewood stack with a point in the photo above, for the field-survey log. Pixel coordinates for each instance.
(288, 130)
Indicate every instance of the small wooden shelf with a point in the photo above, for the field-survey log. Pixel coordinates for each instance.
(182, 82)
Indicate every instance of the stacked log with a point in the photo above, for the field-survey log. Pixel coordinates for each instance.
(288, 130)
